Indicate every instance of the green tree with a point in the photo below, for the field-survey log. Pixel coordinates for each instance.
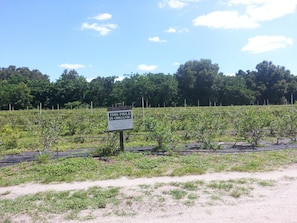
(4, 100)
(234, 91)
(163, 90)
(196, 81)
(42, 92)
(100, 91)
(70, 87)
(135, 87)
(270, 83)
(17, 95)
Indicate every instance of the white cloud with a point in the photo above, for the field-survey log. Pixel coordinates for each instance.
(175, 4)
(145, 67)
(102, 29)
(176, 30)
(71, 66)
(156, 39)
(171, 30)
(255, 12)
(176, 64)
(270, 10)
(103, 16)
(225, 19)
(261, 44)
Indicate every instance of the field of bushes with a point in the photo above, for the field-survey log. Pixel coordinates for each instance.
(60, 130)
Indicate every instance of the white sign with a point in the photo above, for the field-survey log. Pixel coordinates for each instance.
(120, 120)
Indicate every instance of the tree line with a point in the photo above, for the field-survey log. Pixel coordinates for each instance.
(196, 82)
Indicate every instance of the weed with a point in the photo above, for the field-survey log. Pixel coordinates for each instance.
(177, 194)
(141, 165)
(130, 156)
(111, 146)
(123, 213)
(145, 186)
(190, 186)
(146, 163)
(267, 183)
(138, 198)
(158, 185)
(193, 196)
(43, 157)
(175, 184)
(220, 185)
(60, 202)
(239, 191)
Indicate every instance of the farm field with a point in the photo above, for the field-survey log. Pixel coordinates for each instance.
(210, 127)
(143, 187)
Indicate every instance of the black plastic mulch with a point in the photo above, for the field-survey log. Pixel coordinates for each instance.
(9, 160)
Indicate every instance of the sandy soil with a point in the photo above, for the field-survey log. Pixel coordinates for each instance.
(267, 204)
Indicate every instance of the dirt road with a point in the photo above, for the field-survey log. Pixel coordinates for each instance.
(267, 204)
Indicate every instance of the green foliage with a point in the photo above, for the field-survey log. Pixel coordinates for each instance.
(43, 157)
(49, 130)
(142, 165)
(160, 132)
(60, 202)
(207, 127)
(67, 170)
(177, 194)
(288, 125)
(9, 137)
(147, 163)
(251, 125)
(196, 81)
(74, 104)
(165, 128)
(110, 147)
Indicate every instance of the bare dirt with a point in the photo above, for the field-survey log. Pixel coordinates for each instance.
(277, 203)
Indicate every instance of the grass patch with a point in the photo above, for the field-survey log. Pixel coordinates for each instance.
(114, 201)
(267, 183)
(60, 202)
(220, 185)
(142, 165)
(190, 186)
(240, 191)
(233, 188)
(177, 194)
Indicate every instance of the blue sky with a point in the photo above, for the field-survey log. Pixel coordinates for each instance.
(113, 37)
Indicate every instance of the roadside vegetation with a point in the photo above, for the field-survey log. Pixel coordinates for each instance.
(88, 204)
(136, 165)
